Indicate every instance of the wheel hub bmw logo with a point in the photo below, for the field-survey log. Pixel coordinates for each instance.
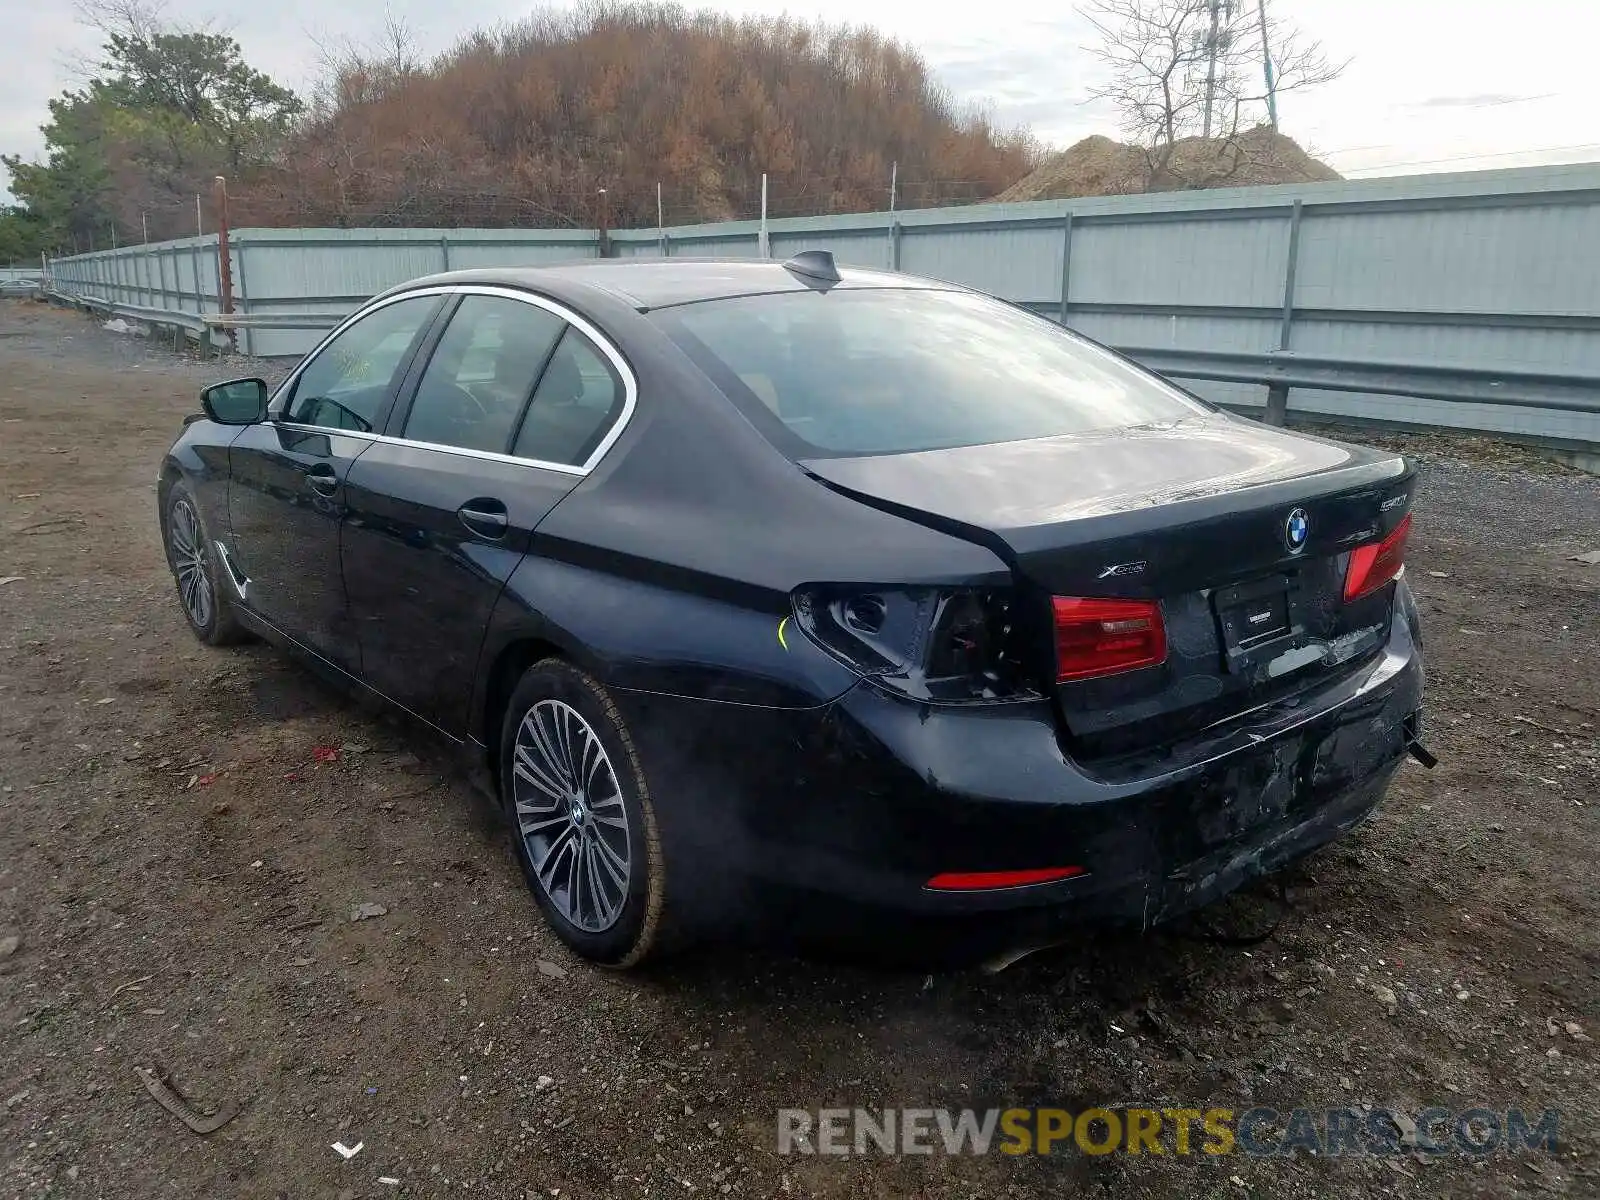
(1296, 529)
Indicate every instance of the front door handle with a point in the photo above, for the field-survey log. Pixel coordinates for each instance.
(486, 517)
(322, 479)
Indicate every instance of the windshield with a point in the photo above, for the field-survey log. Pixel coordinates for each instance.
(884, 371)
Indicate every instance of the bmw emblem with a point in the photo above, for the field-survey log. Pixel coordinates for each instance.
(1296, 529)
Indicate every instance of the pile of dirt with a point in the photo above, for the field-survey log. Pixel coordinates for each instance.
(1099, 166)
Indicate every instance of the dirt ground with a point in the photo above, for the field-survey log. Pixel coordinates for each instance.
(178, 870)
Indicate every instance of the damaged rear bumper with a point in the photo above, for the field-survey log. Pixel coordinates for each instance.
(852, 807)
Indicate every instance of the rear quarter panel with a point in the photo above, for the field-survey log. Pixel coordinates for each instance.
(669, 569)
(636, 628)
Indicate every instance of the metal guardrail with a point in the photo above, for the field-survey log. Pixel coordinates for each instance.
(195, 322)
(289, 320)
(1280, 370)
(198, 324)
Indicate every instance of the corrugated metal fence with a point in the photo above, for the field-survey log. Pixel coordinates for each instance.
(1491, 270)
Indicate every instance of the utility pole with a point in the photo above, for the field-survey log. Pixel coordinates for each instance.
(1266, 63)
(894, 182)
(219, 195)
(1211, 64)
(763, 244)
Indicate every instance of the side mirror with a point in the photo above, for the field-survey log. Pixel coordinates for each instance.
(237, 402)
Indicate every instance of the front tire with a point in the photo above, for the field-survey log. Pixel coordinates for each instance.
(581, 816)
(193, 559)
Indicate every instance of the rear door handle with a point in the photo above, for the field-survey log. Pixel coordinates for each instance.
(322, 479)
(486, 517)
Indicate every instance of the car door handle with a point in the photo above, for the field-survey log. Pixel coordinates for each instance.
(485, 517)
(322, 479)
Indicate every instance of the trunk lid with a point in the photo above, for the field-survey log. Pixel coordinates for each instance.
(1196, 514)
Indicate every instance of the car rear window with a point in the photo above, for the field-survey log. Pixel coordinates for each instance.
(884, 371)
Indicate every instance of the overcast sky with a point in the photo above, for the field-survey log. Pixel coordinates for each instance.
(1434, 85)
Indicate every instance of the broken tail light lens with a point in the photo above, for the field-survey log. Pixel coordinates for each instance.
(942, 644)
(1096, 637)
(1374, 565)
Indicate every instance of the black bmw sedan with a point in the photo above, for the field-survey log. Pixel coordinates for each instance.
(752, 586)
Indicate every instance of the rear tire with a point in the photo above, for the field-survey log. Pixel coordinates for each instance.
(192, 556)
(581, 817)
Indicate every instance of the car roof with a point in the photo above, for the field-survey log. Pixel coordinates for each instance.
(649, 283)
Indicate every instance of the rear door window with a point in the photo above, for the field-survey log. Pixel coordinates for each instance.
(482, 373)
(882, 371)
(578, 400)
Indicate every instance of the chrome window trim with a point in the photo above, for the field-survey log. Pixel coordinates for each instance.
(464, 451)
(630, 386)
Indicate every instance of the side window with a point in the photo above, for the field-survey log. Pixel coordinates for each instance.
(578, 399)
(345, 385)
(481, 374)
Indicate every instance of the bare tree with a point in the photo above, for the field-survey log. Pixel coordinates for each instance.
(357, 72)
(1186, 69)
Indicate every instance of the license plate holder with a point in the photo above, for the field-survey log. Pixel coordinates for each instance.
(1254, 618)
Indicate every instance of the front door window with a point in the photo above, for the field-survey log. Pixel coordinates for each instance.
(345, 385)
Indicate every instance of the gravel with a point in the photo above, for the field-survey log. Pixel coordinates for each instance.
(439, 1039)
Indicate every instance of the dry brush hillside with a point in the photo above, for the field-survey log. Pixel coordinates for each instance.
(526, 124)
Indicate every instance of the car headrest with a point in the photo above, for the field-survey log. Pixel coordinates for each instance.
(562, 383)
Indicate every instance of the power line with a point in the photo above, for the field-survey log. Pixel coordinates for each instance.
(1434, 162)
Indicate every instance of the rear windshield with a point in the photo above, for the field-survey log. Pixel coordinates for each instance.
(884, 371)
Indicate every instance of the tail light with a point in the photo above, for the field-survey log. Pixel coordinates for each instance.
(946, 644)
(1374, 565)
(1097, 637)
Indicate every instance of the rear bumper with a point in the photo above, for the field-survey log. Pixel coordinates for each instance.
(855, 805)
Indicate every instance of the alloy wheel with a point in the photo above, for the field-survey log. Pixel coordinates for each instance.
(189, 563)
(570, 815)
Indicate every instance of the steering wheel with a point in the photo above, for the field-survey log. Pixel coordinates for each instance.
(476, 403)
